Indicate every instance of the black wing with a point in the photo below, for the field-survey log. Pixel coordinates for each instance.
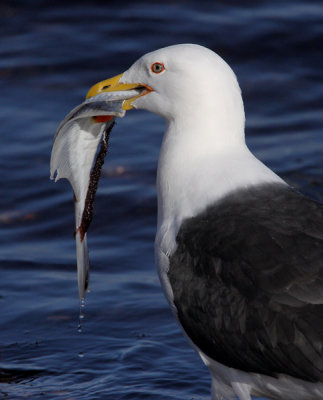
(247, 278)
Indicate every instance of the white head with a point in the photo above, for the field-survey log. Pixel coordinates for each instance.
(192, 75)
(187, 82)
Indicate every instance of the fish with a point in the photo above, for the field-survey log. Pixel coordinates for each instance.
(73, 157)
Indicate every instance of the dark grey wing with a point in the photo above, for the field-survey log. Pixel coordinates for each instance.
(247, 278)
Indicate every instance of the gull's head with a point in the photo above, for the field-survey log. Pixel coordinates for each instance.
(180, 81)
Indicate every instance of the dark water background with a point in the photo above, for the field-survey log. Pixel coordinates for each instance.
(51, 52)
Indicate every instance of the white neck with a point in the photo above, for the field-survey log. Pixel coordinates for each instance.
(195, 170)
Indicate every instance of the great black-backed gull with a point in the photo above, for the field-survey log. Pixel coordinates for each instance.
(239, 252)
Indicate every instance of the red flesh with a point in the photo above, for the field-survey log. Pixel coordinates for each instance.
(102, 118)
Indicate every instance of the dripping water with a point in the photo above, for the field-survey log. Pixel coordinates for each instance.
(81, 315)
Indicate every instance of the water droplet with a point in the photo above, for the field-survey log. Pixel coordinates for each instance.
(81, 315)
(81, 354)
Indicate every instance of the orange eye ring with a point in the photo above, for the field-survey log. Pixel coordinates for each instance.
(157, 67)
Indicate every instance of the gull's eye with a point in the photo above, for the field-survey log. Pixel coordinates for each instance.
(157, 67)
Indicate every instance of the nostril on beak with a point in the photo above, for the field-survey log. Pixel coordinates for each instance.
(105, 87)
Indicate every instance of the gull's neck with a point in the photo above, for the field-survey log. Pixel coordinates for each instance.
(198, 165)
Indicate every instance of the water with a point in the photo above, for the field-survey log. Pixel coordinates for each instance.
(81, 317)
(50, 54)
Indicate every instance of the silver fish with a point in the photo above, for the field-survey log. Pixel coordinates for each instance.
(74, 148)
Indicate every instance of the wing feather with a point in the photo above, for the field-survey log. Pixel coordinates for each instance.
(247, 278)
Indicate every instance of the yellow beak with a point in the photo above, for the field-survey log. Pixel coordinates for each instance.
(113, 85)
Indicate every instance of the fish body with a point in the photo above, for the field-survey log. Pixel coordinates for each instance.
(74, 148)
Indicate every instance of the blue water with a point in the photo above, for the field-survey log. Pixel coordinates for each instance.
(50, 54)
